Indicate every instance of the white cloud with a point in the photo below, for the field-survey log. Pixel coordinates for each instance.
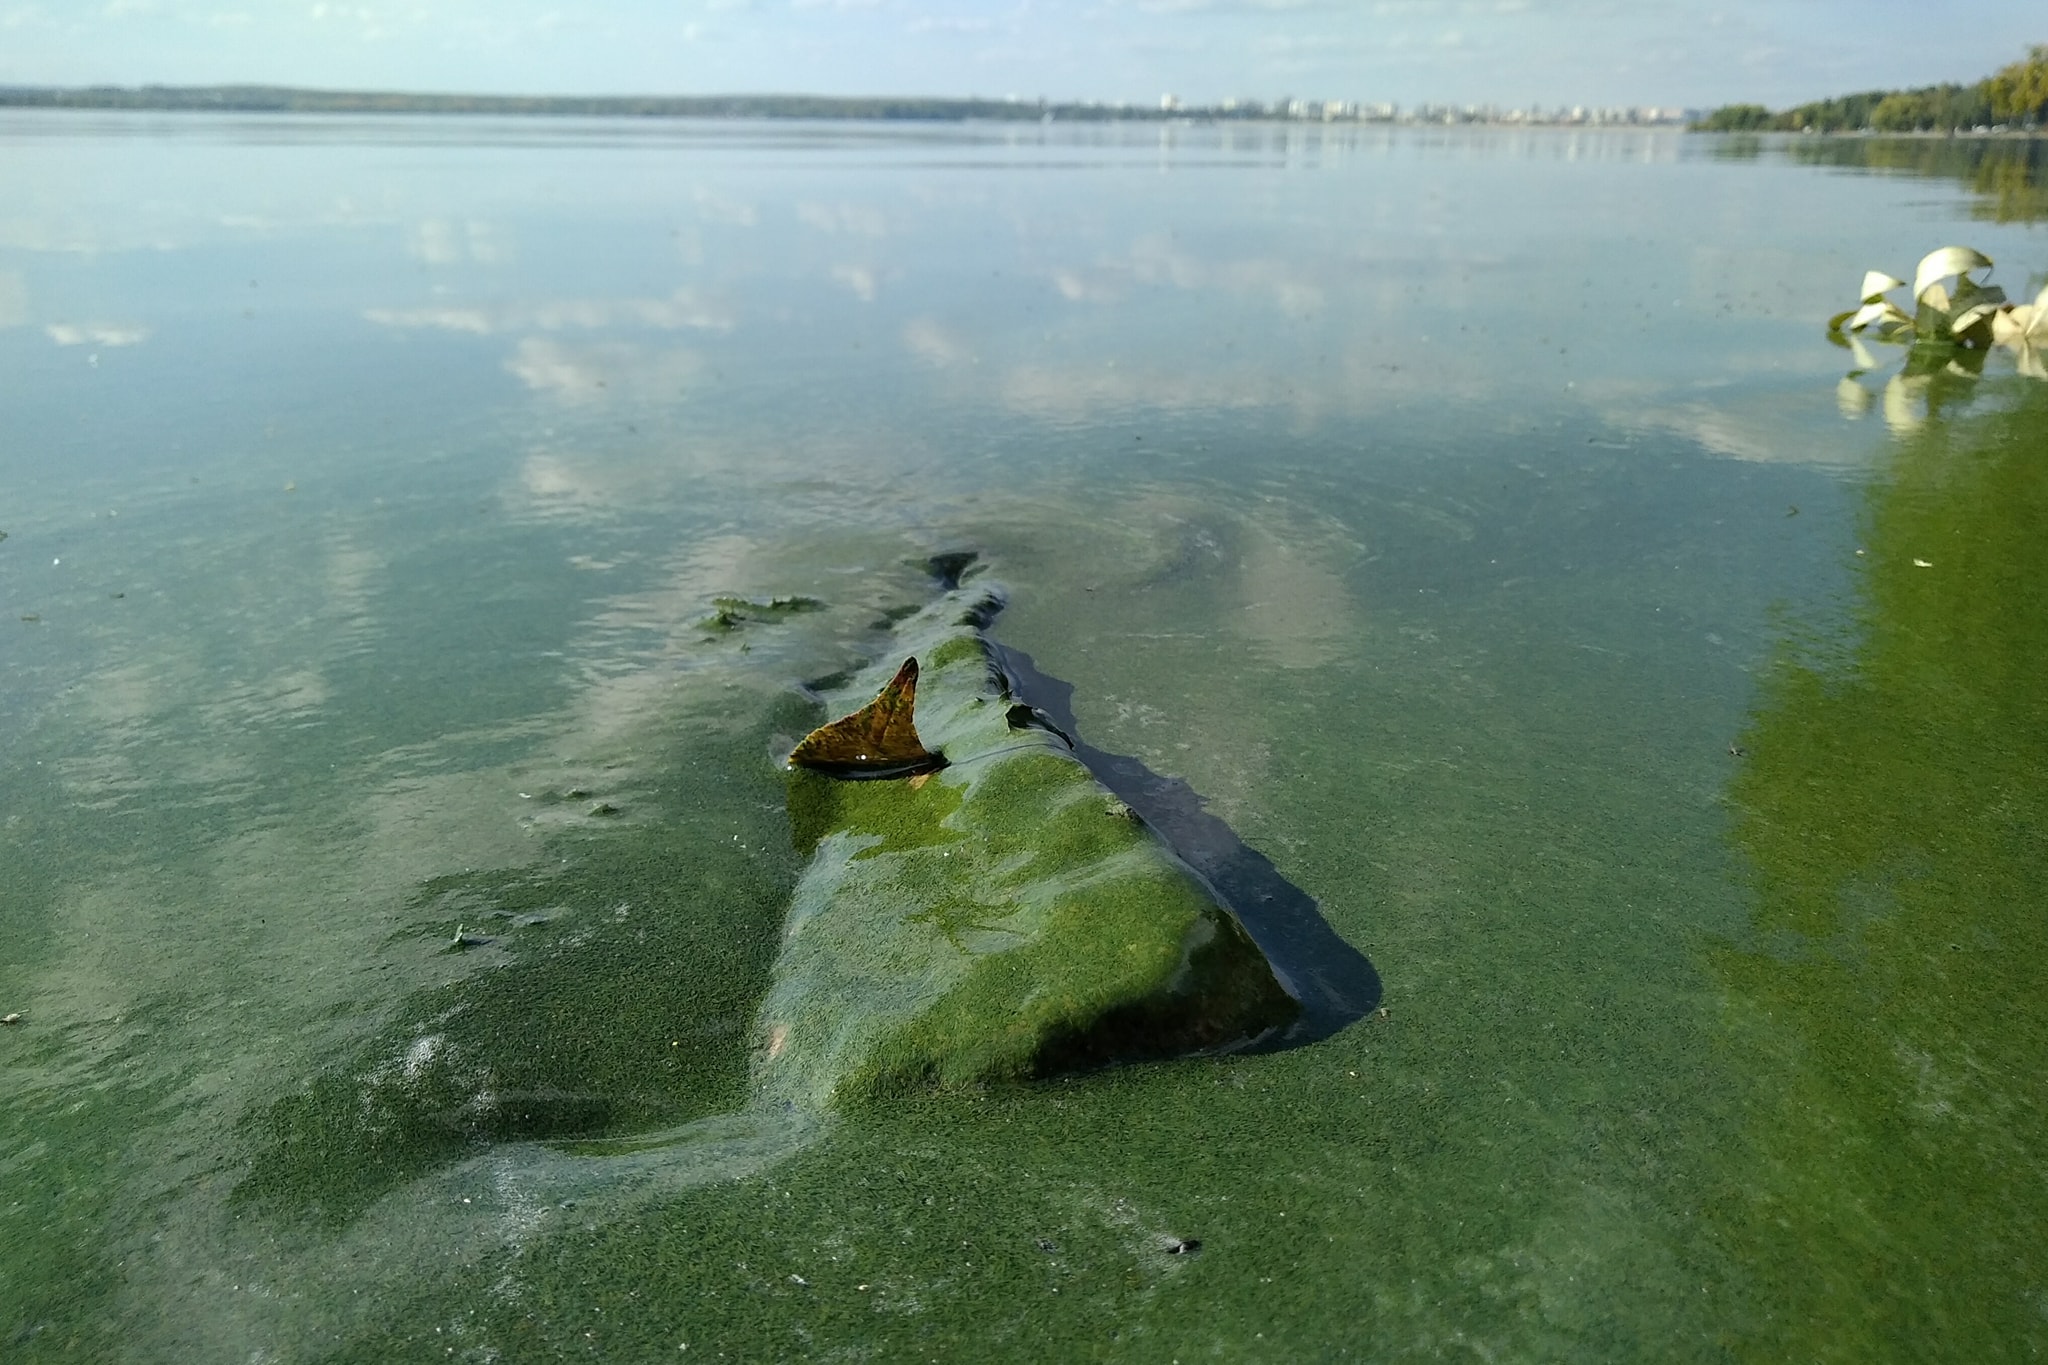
(857, 278)
(680, 310)
(931, 342)
(97, 333)
(438, 241)
(714, 207)
(600, 370)
(855, 220)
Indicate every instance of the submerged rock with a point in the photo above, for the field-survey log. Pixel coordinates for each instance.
(1001, 916)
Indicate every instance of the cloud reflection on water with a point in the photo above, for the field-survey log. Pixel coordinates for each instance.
(592, 371)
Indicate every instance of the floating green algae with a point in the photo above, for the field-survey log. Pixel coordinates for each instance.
(1003, 917)
(1890, 1017)
(607, 992)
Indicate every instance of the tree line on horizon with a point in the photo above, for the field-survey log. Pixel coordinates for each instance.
(2013, 96)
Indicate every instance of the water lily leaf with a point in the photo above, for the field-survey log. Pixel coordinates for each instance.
(2024, 324)
(1876, 284)
(1970, 317)
(879, 740)
(2009, 326)
(1942, 262)
(1969, 293)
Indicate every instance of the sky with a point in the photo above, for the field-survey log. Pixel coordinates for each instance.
(1508, 52)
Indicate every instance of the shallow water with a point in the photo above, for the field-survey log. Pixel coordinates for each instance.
(1468, 517)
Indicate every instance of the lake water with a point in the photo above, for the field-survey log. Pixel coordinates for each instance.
(1470, 517)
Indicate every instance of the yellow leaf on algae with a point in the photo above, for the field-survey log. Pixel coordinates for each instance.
(879, 740)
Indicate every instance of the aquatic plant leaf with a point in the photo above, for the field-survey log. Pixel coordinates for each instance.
(879, 740)
(1880, 311)
(2022, 325)
(1876, 284)
(1970, 317)
(1942, 262)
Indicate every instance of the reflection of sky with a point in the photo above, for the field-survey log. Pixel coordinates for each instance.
(744, 273)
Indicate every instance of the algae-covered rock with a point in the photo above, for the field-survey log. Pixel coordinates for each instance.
(1003, 916)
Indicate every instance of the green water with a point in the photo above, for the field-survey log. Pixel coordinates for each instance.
(1467, 518)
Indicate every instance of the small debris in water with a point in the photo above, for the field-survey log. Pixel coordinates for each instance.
(1048, 1246)
(30, 617)
(10, 1018)
(1185, 1246)
(604, 808)
(1737, 751)
(1923, 564)
(465, 939)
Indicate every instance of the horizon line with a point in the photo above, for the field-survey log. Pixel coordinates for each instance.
(261, 96)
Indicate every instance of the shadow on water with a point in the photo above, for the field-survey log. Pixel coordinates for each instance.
(1334, 982)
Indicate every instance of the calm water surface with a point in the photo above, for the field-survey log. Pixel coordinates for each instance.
(1470, 517)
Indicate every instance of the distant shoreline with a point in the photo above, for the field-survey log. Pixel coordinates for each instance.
(274, 99)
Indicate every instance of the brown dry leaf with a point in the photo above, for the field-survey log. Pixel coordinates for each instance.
(879, 740)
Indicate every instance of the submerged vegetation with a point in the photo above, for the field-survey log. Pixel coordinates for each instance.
(2016, 96)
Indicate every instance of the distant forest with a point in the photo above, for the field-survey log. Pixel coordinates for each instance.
(276, 99)
(2014, 97)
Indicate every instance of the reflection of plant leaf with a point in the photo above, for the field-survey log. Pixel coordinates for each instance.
(1876, 284)
(2031, 360)
(879, 740)
(1852, 398)
(1902, 403)
(1942, 262)
(1864, 359)
(1927, 357)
